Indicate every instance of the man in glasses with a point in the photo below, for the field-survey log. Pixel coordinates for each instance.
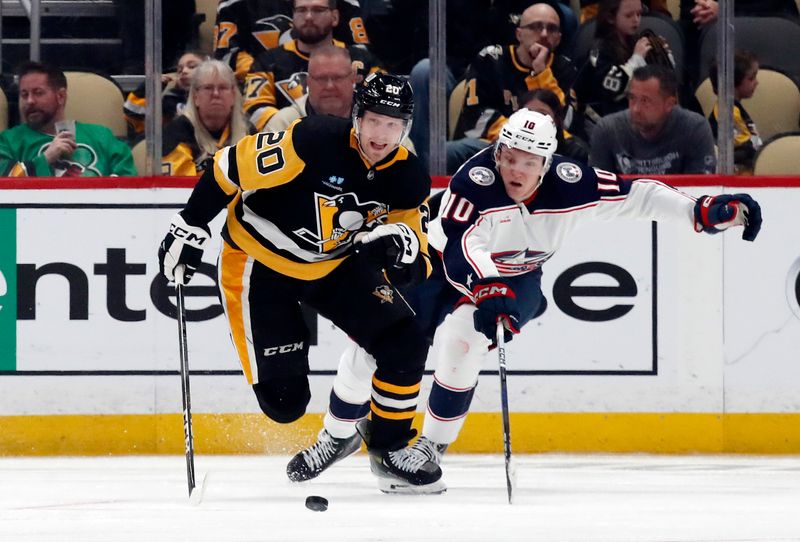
(501, 73)
(278, 76)
(330, 83)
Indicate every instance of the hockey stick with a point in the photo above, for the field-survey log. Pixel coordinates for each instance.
(511, 481)
(184, 355)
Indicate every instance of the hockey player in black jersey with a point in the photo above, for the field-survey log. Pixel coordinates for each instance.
(332, 213)
(505, 213)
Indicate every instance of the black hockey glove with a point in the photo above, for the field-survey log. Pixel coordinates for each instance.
(712, 214)
(393, 248)
(183, 245)
(495, 300)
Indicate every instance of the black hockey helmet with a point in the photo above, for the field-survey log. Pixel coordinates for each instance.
(384, 94)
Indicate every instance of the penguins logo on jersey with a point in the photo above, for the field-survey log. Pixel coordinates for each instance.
(294, 87)
(270, 31)
(482, 176)
(569, 172)
(384, 293)
(338, 218)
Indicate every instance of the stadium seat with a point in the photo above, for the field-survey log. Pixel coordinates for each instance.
(454, 106)
(774, 40)
(779, 156)
(3, 110)
(96, 99)
(775, 106)
(139, 152)
(659, 24)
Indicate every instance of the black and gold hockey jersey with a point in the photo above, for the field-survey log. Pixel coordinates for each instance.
(297, 198)
(245, 28)
(494, 82)
(182, 156)
(277, 78)
(746, 140)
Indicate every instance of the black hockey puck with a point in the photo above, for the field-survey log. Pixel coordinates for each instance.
(316, 503)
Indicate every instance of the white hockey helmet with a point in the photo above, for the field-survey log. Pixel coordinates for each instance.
(531, 132)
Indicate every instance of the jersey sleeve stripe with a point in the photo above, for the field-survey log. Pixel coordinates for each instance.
(605, 187)
(226, 171)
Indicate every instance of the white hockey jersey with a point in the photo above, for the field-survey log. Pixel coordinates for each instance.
(481, 232)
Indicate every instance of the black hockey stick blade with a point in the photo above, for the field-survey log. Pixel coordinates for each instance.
(501, 359)
(184, 358)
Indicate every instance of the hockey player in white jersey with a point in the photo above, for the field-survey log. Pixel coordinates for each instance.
(505, 213)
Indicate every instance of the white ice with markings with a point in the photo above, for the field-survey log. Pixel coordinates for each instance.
(581, 498)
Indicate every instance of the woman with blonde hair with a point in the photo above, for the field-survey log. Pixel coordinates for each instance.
(212, 119)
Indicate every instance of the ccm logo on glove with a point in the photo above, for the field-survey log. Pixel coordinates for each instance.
(183, 245)
(493, 290)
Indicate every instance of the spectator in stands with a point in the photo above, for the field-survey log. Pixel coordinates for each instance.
(213, 119)
(746, 140)
(618, 50)
(277, 77)
(499, 74)
(331, 80)
(246, 28)
(36, 148)
(505, 16)
(543, 100)
(175, 90)
(655, 136)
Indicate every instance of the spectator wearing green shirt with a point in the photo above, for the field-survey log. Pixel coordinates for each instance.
(36, 148)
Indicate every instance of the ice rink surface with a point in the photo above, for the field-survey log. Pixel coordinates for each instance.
(582, 498)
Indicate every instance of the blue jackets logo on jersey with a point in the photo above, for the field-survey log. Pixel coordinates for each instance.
(518, 262)
(569, 172)
(482, 176)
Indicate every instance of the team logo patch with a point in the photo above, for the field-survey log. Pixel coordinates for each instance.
(339, 218)
(569, 172)
(294, 87)
(384, 293)
(482, 176)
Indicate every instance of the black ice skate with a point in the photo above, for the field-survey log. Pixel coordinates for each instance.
(403, 470)
(429, 450)
(312, 461)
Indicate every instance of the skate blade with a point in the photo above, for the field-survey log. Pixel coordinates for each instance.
(397, 487)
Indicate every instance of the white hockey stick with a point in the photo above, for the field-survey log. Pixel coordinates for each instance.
(511, 476)
(187, 404)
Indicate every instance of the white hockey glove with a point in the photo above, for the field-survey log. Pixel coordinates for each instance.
(393, 248)
(390, 245)
(183, 245)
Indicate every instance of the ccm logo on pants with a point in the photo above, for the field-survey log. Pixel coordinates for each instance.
(284, 349)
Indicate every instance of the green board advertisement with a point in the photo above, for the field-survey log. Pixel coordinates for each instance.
(8, 289)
